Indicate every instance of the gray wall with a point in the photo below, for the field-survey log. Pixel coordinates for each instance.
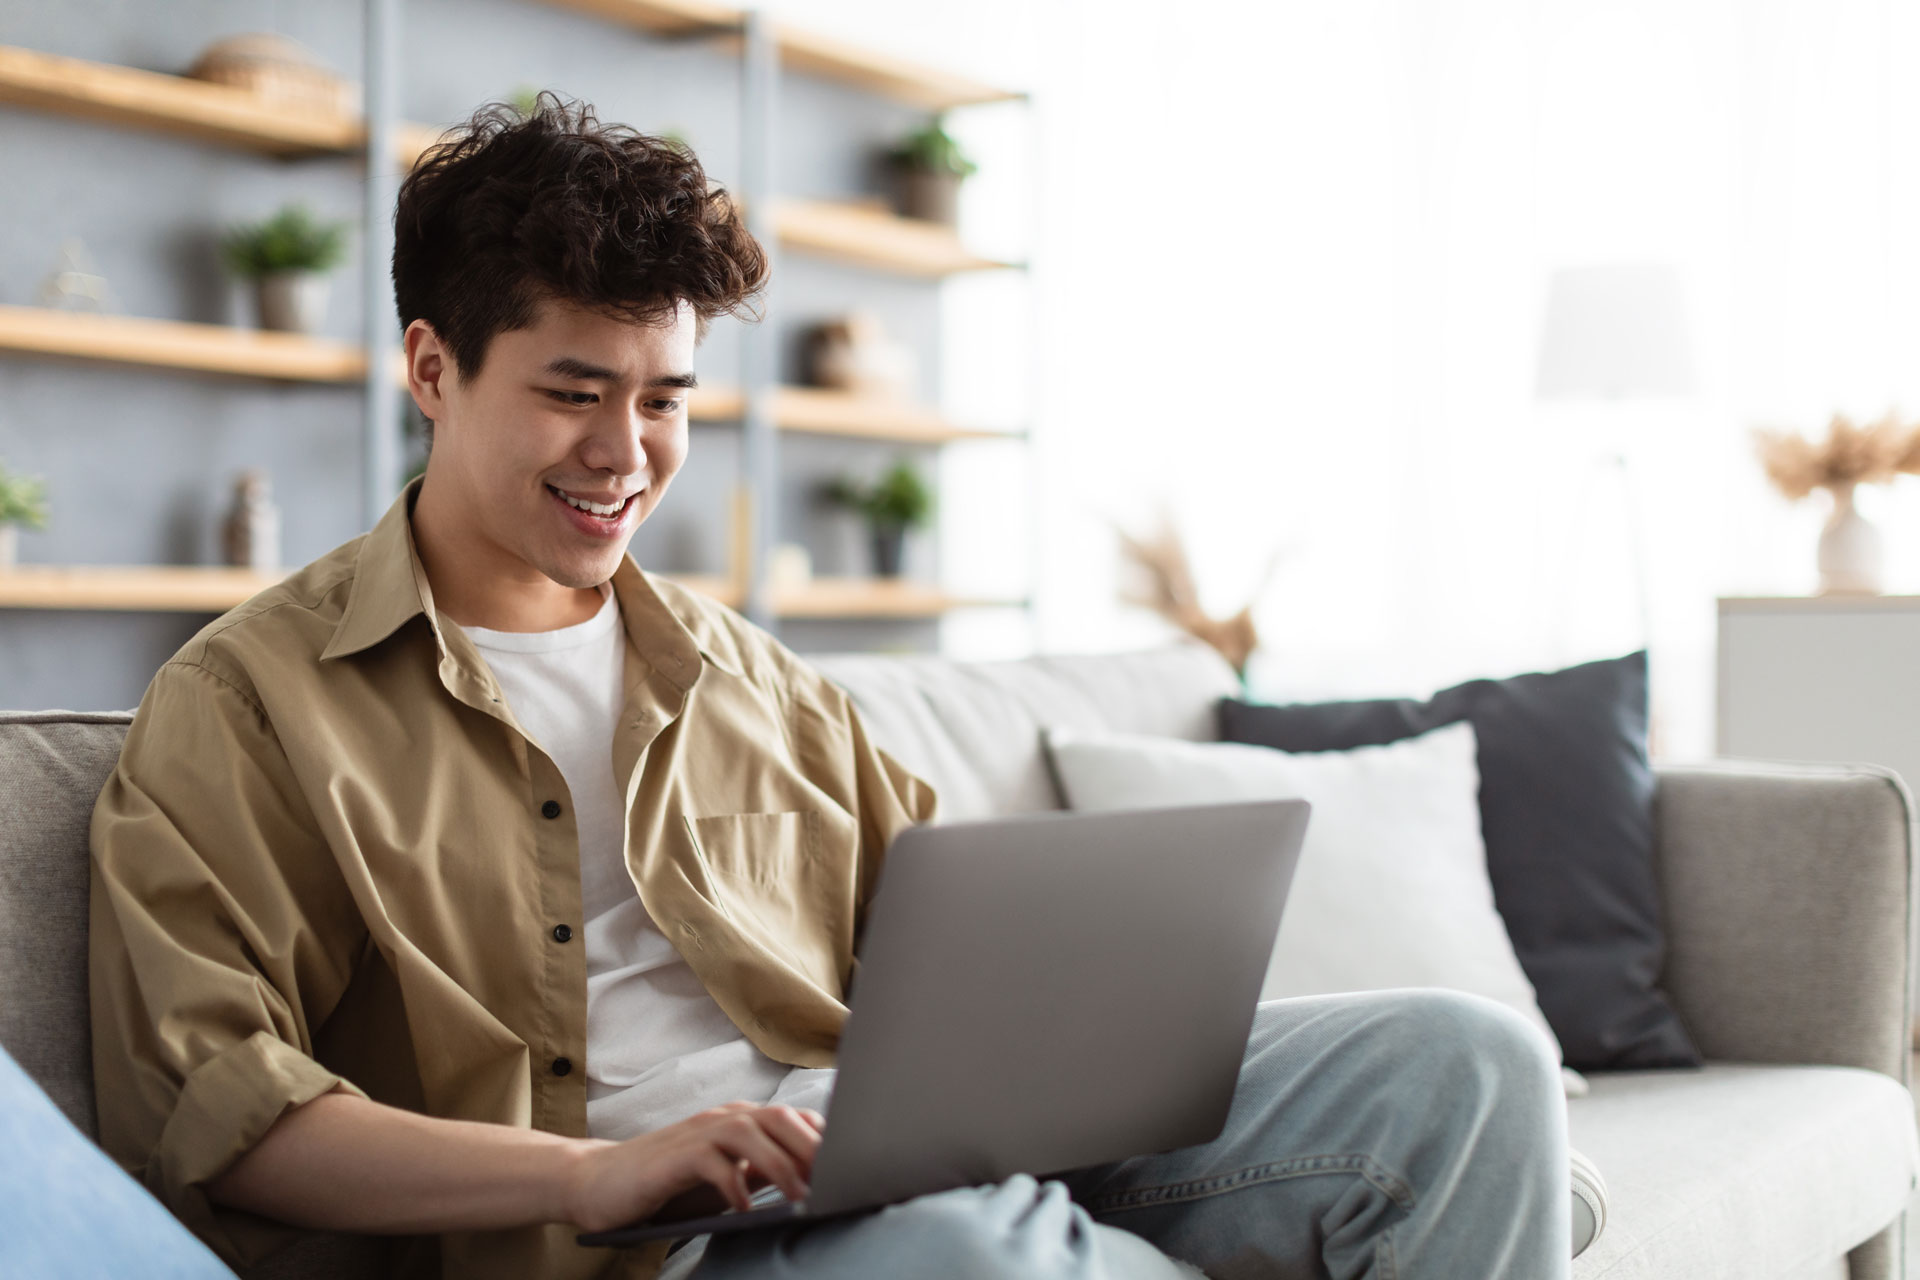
(140, 462)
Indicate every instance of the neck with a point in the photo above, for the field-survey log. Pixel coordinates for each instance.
(477, 583)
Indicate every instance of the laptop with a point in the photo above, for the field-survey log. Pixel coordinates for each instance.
(1039, 994)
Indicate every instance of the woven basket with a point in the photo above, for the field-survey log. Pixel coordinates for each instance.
(279, 70)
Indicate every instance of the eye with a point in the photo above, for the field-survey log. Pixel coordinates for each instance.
(567, 397)
(669, 405)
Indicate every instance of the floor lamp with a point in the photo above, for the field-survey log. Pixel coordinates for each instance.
(1612, 334)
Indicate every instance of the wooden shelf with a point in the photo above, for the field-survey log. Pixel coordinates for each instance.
(871, 598)
(409, 140)
(210, 589)
(177, 105)
(716, 404)
(719, 588)
(870, 236)
(913, 83)
(182, 588)
(660, 17)
(212, 348)
(820, 411)
(178, 344)
(188, 108)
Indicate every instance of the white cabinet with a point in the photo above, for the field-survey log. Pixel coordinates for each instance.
(1833, 678)
(1826, 678)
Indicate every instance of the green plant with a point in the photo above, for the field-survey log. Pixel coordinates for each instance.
(291, 240)
(900, 497)
(23, 500)
(524, 99)
(935, 150)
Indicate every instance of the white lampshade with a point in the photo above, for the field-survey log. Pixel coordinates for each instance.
(1614, 332)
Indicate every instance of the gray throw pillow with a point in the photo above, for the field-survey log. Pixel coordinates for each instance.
(1566, 809)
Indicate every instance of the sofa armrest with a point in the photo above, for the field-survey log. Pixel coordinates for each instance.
(1788, 893)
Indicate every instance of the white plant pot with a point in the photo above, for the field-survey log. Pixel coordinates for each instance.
(1852, 552)
(9, 546)
(292, 301)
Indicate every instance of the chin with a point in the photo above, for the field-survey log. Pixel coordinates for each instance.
(580, 570)
(580, 574)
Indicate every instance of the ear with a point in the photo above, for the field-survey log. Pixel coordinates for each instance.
(429, 369)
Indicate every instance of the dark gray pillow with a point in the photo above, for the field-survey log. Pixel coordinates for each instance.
(1566, 808)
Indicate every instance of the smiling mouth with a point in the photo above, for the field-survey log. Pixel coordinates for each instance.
(609, 512)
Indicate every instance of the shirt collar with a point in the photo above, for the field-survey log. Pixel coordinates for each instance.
(390, 588)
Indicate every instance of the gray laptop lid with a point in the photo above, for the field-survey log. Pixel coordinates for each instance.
(1042, 993)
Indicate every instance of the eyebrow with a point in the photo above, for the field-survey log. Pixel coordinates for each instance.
(570, 367)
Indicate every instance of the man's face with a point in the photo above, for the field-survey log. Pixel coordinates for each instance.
(565, 441)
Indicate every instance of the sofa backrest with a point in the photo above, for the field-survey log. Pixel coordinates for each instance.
(971, 729)
(52, 766)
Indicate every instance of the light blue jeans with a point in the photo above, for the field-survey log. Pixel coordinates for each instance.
(1408, 1135)
(1393, 1136)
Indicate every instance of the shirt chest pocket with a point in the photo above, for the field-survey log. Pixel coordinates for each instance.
(787, 881)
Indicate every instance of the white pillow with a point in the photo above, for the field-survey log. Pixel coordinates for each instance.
(1392, 887)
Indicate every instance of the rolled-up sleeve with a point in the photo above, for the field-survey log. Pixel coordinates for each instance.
(221, 935)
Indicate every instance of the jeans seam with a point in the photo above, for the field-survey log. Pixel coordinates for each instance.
(1366, 1166)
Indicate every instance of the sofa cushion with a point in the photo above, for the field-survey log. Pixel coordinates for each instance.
(973, 729)
(54, 764)
(1566, 804)
(1392, 887)
(1736, 1171)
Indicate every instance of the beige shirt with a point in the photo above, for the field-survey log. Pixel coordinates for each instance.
(329, 856)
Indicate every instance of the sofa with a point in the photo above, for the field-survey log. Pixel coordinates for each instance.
(1786, 890)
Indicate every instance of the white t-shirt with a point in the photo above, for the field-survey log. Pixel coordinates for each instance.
(658, 1047)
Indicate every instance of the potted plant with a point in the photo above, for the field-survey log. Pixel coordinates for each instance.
(898, 501)
(23, 504)
(930, 166)
(1851, 556)
(286, 257)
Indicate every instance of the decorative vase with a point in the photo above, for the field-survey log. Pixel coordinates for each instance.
(889, 546)
(9, 546)
(854, 354)
(1852, 554)
(932, 195)
(292, 301)
(252, 530)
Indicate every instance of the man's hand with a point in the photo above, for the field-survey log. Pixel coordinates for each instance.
(723, 1155)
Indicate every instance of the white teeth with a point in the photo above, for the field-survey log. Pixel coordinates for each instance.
(594, 507)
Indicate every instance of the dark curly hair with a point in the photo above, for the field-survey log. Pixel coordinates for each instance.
(511, 209)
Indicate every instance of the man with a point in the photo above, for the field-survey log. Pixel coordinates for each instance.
(472, 887)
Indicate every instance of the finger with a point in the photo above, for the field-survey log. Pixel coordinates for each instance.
(791, 1129)
(723, 1172)
(746, 1138)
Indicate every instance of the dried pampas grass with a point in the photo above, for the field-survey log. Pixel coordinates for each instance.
(1167, 588)
(1850, 455)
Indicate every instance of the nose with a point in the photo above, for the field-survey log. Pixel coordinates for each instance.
(616, 442)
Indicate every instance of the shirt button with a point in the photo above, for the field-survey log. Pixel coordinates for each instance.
(561, 933)
(562, 1065)
(551, 809)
